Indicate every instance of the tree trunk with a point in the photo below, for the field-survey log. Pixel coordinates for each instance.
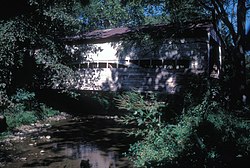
(237, 78)
(3, 124)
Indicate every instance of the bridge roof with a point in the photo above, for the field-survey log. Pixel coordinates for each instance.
(107, 35)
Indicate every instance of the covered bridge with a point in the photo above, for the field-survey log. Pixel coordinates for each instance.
(147, 58)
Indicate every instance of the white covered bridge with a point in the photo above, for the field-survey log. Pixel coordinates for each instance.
(149, 58)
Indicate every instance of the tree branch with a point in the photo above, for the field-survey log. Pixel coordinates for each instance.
(216, 28)
(247, 7)
(206, 6)
(224, 17)
(241, 21)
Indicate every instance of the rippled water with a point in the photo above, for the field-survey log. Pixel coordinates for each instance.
(98, 140)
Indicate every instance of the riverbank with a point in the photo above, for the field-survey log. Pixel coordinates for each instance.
(64, 141)
(23, 132)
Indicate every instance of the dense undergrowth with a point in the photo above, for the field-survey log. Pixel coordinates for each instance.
(202, 134)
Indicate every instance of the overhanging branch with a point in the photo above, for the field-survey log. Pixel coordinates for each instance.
(247, 7)
(216, 28)
(241, 22)
(218, 6)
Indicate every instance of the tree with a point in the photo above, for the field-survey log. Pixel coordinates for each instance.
(30, 39)
(110, 14)
(229, 21)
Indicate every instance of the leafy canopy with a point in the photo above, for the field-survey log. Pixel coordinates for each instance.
(40, 25)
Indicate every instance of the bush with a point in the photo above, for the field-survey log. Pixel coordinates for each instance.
(204, 135)
(45, 112)
(25, 109)
(17, 116)
(23, 96)
(144, 112)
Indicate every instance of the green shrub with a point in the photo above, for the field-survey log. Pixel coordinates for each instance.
(144, 112)
(17, 115)
(25, 109)
(204, 135)
(22, 96)
(45, 111)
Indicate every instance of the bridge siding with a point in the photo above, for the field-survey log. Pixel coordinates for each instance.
(195, 50)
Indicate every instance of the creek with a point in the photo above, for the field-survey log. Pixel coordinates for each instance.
(99, 140)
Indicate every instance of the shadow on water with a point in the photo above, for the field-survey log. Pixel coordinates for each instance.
(85, 103)
(95, 139)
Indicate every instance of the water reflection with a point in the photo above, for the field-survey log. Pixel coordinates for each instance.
(99, 141)
(96, 157)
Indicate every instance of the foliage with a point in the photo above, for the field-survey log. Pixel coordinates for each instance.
(18, 115)
(45, 111)
(144, 113)
(200, 136)
(25, 109)
(110, 14)
(30, 44)
(22, 96)
(115, 13)
(103, 100)
(33, 56)
(229, 22)
(19, 109)
(186, 11)
(165, 11)
(4, 99)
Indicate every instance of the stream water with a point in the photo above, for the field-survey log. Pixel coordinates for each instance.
(101, 141)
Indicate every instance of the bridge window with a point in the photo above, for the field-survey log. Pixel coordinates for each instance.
(156, 63)
(123, 63)
(182, 64)
(84, 65)
(93, 65)
(102, 64)
(169, 64)
(75, 66)
(134, 62)
(112, 65)
(122, 66)
(145, 63)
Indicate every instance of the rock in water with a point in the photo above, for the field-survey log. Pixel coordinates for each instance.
(3, 124)
(85, 164)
